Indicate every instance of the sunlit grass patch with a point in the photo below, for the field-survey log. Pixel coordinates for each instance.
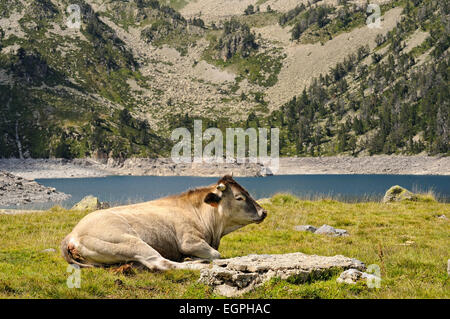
(406, 240)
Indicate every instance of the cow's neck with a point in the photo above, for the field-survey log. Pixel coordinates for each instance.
(213, 223)
(216, 225)
(231, 228)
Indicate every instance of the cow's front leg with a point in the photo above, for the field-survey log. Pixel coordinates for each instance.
(197, 247)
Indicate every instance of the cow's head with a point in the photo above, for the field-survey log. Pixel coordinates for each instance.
(235, 203)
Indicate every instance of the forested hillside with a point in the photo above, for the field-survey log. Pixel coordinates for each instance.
(64, 94)
(137, 69)
(385, 101)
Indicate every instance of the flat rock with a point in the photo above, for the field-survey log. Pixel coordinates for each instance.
(331, 231)
(235, 276)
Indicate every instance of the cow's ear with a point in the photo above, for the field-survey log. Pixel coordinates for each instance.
(212, 199)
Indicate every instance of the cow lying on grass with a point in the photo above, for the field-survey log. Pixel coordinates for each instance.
(161, 233)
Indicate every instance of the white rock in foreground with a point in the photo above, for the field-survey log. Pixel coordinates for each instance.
(235, 276)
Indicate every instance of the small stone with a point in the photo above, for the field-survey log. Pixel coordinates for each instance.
(341, 232)
(448, 266)
(350, 276)
(353, 276)
(309, 228)
(443, 217)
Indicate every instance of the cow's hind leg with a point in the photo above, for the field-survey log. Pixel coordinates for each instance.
(130, 248)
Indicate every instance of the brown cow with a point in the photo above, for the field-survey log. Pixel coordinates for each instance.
(161, 233)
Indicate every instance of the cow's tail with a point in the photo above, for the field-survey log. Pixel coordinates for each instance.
(71, 255)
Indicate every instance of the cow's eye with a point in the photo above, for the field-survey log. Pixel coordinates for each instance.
(239, 198)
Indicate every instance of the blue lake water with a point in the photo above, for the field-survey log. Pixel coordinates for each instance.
(349, 188)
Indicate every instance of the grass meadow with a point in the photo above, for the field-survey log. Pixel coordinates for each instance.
(407, 240)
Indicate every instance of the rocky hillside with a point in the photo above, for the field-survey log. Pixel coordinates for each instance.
(136, 69)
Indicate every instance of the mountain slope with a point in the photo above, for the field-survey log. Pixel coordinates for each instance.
(393, 100)
(138, 69)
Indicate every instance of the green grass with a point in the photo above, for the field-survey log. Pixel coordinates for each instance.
(378, 233)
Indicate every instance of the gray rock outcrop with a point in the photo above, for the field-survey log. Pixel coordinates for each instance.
(235, 276)
(15, 190)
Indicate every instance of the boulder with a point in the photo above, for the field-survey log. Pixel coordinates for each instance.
(331, 231)
(90, 203)
(235, 276)
(397, 194)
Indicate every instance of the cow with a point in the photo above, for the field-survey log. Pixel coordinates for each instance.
(162, 233)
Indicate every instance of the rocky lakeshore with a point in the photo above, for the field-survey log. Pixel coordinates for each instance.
(381, 164)
(377, 164)
(15, 190)
(77, 168)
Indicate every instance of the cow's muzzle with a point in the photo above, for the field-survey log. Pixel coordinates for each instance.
(262, 215)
